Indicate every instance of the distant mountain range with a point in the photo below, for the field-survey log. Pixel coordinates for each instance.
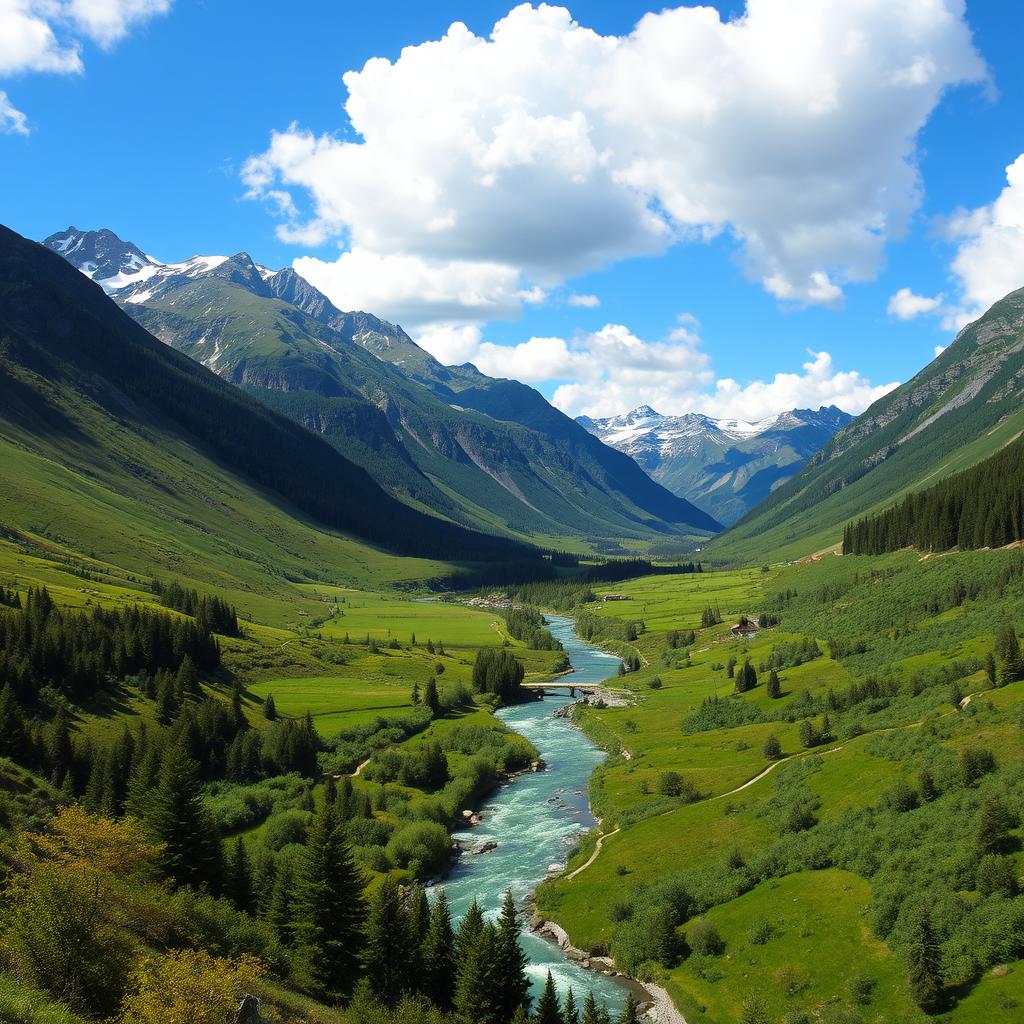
(964, 406)
(724, 466)
(488, 454)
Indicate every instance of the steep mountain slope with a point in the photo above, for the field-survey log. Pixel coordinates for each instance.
(723, 466)
(491, 454)
(962, 407)
(113, 441)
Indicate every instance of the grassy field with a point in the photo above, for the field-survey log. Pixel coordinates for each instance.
(912, 629)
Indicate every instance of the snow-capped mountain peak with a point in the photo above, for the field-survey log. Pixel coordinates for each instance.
(722, 465)
(120, 267)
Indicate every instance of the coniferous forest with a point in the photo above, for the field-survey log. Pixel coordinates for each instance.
(982, 507)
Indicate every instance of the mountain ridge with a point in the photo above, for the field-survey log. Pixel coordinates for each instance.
(956, 411)
(490, 454)
(724, 465)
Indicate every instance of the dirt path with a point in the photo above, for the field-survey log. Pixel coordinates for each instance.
(360, 767)
(593, 856)
(720, 796)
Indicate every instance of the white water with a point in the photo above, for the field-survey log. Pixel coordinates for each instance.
(536, 819)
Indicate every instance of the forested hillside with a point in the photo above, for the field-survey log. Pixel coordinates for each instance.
(982, 507)
(961, 408)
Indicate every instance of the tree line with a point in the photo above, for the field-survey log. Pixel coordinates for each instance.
(75, 652)
(211, 612)
(981, 507)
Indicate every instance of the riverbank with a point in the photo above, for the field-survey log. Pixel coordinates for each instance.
(655, 1006)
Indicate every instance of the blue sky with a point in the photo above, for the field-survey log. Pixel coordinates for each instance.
(145, 115)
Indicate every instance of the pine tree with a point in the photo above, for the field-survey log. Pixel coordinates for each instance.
(176, 816)
(994, 825)
(511, 961)
(430, 697)
(774, 689)
(57, 752)
(414, 697)
(476, 981)
(569, 1012)
(238, 720)
(13, 738)
(270, 708)
(419, 915)
(923, 963)
(280, 911)
(238, 883)
(548, 1009)
(629, 1013)
(438, 980)
(592, 1012)
(389, 954)
(330, 911)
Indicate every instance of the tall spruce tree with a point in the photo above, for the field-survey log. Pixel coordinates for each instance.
(438, 979)
(389, 954)
(549, 1010)
(176, 816)
(330, 912)
(511, 961)
(281, 909)
(238, 882)
(923, 962)
(569, 1012)
(476, 981)
(629, 1013)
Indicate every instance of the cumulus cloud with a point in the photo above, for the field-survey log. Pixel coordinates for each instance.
(610, 371)
(989, 262)
(12, 120)
(108, 21)
(551, 149)
(905, 304)
(47, 35)
(414, 291)
(586, 301)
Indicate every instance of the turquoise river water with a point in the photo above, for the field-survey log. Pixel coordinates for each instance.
(536, 818)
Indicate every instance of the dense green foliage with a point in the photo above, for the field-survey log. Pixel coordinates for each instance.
(982, 507)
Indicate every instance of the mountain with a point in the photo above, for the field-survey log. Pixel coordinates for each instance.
(961, 408)
(492, 455)
(111, 439)
(724, 466)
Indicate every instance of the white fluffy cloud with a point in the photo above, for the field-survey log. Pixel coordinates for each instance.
(12, 120)
(905, 304)
(989, 261)
(586, 301)
(109, 21)
(551, 149)
(611, 371)
(46, 35)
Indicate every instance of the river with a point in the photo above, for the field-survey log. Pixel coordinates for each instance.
(536, 819)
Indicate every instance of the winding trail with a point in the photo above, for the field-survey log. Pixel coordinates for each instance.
(593, 856)
(720, 796)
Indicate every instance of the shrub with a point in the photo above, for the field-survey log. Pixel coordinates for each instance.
(760, 931)
(655, 683)
(190, 985)
(703, 938)
(772, 748)
(285, 828)
(860, 988)
(422, 846)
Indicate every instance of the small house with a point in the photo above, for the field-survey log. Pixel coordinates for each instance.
(744, 629)
(614, 597)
